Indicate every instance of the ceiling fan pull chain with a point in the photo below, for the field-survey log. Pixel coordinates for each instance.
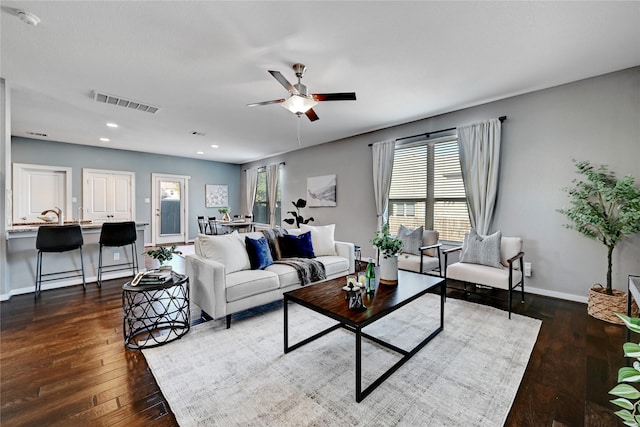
(299, 143)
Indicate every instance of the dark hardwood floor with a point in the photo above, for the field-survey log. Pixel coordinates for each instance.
(63, 362)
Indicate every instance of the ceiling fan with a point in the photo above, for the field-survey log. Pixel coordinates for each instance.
(300, 102)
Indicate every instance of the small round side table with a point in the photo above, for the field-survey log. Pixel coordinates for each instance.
(155, 314)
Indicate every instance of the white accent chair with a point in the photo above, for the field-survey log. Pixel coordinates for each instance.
(429, 260)
(507, 276)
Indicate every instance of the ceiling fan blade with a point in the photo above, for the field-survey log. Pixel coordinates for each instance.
(275, 101)
(284, 82)
(311, 115)
(340, 96)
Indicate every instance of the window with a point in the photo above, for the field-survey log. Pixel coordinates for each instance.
(427, 189)
(261, 204)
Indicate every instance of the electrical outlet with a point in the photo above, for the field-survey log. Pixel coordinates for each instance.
(527, 269)
(116, 256)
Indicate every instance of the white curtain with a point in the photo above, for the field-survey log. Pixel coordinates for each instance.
(272, 191)
(251, 184)
(479, 146)
(383, 153)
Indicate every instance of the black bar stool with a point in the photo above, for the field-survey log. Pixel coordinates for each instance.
(116, 234)
(58, 238)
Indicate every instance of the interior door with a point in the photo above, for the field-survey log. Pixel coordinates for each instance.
(170, 209)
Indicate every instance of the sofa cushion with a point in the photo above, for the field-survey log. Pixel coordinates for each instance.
(483, 250)
(334, 265)
(412, 263)
(259, 252)
(287, 275)
(246, 283)
(322, 238)
(483, 275)
(296, 246)
(228, 249)
(411, 239)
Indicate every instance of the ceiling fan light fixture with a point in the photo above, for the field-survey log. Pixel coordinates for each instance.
(299, 104)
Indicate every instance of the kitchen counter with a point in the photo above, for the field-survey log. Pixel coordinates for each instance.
(22, 253)
(30, 228)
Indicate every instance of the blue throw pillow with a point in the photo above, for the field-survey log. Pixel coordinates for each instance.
(296, 246)
(259, 253)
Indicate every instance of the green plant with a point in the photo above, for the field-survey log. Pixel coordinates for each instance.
(162, 253)
(224, 211)
(387, 244)
(297, 218)
(628, 396)
(603, 208)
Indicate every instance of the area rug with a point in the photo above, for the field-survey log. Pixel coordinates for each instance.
(467, 375)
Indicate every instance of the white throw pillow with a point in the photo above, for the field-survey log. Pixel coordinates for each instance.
(411, 239)
(228, 249)
(483, 250)
(322, 238)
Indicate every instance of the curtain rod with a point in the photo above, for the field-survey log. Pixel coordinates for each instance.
(260, 167)
(428, 134)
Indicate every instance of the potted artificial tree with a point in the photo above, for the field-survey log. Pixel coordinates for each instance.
(606, 209)
(390, 248)
(297, 218)
(628, 396)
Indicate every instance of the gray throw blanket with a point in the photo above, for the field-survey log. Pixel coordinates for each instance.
(272, 239)
(309, 270)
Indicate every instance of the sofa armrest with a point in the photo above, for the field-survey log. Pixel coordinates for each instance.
(345, 249)
(207, 279)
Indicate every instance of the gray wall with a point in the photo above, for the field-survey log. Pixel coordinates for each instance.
(202, 172)
(597, 119)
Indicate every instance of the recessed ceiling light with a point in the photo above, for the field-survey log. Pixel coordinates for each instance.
(200, 152)
(28, 17)
(112, 125)
(215, 146)
(104, 139)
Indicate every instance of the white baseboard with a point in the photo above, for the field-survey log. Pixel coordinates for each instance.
(65, 283)
(554, 294)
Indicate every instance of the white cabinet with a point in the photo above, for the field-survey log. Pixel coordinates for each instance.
(108, 195)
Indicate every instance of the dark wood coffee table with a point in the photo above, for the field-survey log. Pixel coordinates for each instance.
(328, 298)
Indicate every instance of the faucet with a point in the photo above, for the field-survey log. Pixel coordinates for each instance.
(58, 213)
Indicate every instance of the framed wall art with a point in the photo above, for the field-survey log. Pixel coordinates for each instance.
(321, 191)
(216, 196)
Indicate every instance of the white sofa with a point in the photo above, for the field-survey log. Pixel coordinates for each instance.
(222, 281)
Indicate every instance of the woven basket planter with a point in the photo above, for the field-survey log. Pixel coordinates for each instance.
(603, 306)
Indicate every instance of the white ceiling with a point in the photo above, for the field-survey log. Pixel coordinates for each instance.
(201, 62)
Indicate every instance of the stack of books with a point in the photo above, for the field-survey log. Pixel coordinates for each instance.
(155, 277)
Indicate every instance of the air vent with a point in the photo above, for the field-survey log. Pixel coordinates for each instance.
(123, 102)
